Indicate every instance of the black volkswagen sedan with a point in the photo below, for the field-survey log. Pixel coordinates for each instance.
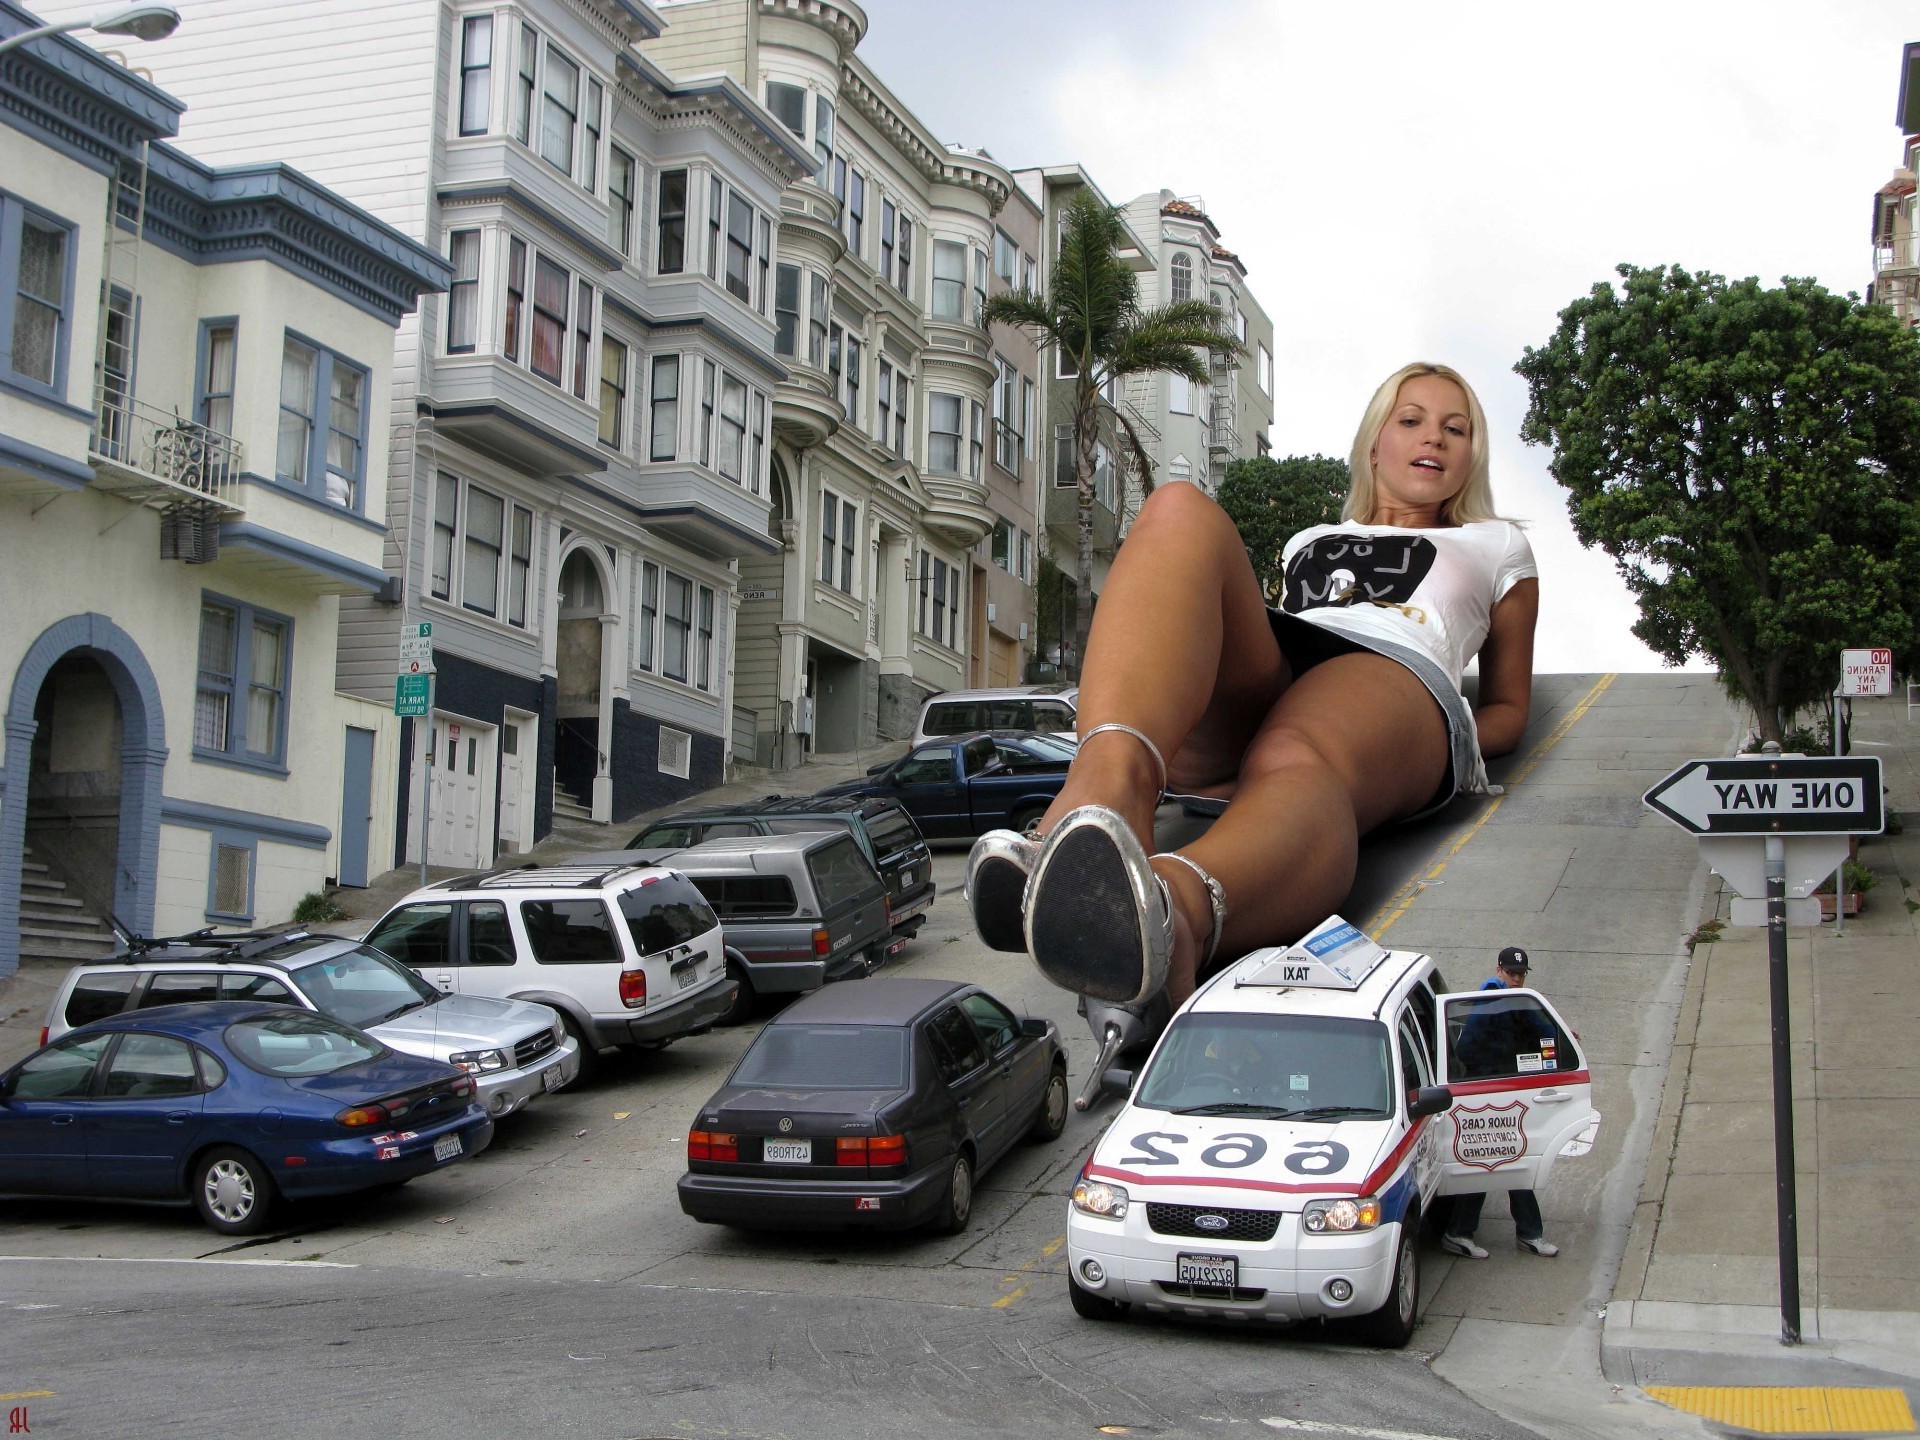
(873, 1104)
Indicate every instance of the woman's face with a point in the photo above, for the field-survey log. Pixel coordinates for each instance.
(1425, 450)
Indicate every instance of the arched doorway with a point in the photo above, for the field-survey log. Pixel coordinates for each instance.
(85, 755)
(582, 742)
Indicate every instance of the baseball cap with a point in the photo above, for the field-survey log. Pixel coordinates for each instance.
(1513, 958)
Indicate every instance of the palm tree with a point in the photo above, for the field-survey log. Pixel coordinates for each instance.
(1091, 315)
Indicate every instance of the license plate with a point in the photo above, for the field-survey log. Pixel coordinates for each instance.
(1220, 1272)
(906, 878)
(687, 976)
(446, 1147)
(788, 1152)
(550, 1078)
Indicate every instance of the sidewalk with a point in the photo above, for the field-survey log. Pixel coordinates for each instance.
(1697, 1301)
(26, 994)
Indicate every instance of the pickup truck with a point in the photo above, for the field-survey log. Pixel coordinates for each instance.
(965, 785)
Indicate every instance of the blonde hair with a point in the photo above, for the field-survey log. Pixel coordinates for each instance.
(1475, 499)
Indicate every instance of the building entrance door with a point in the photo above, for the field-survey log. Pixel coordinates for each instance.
(462, 763)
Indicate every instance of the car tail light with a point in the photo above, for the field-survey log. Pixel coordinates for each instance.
(633, 988)
(462, 1086)
(870, 1150)
(710, 1145)
(358, 1116)
(43, 1034)
(822, 943)
(889, 902)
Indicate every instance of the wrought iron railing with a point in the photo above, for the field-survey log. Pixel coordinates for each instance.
(160, 445)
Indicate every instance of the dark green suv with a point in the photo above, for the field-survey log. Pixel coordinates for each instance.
(885, 831)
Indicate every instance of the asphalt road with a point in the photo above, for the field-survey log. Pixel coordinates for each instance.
(552, 1284)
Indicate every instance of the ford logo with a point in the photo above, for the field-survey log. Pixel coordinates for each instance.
(1210, 1222)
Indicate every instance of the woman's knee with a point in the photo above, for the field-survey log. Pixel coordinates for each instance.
(1184, 510)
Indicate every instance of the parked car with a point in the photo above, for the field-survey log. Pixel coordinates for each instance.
(514, 1049)
(1017, 707)
(797, 910)
(875, 1104)
(964, 786)
(171, 1106)
(628, 953)
(885, 831)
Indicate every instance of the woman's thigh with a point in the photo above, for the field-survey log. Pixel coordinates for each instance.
(1368, 719)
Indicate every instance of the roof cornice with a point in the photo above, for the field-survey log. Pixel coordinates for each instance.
(715, 100)
(77, 98)
(934, 162)
(845, 21)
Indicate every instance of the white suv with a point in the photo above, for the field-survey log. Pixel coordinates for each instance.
(1297, 1119)
(630, 955)
(1046, 708)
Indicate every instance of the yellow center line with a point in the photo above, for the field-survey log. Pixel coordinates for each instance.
(29, 1395)
(1403, 898)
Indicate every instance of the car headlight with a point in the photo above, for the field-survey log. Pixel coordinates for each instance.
(1341, 1217)
(1100, 1199)
(478, 1062)
(559, 1032)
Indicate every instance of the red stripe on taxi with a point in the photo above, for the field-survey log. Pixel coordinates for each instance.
(1546, 1080)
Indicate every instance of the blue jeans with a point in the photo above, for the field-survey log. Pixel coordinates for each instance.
(1527, 1224)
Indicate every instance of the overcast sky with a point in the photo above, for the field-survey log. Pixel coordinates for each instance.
(1438, 181)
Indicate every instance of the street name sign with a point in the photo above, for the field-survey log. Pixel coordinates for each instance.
(410, 694)
(1774, 795)
(1866, 672)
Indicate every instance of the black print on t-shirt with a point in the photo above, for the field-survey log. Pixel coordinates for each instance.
(1356, 570)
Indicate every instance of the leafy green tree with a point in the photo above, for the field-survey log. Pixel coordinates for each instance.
(1271, 501)
(1750, 458)
(1091, 315)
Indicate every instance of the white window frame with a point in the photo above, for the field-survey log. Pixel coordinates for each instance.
(450, 544)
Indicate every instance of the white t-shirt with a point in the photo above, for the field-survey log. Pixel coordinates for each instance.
(1433, 590)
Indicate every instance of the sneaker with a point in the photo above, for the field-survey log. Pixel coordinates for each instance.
(1462, 1245)
(1539, 1245)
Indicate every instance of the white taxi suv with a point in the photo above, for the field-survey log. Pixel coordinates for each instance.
(1300, 1114)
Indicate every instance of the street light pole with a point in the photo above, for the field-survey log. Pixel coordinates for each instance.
(142, 22)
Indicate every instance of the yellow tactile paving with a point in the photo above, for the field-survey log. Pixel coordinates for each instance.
(1793, 1409)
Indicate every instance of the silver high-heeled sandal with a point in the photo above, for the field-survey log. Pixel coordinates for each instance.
(1159, 760)
(1098, 920)
(996, 888)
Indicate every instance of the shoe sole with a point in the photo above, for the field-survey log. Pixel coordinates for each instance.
(998, 888)
(1083, 921)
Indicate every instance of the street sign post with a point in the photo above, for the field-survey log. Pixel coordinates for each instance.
(413, 695)
(1866, 672)
(1767, 803)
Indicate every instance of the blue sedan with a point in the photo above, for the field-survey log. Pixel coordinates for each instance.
(233, 1106)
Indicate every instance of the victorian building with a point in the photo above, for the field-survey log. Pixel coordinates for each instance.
(195, 364)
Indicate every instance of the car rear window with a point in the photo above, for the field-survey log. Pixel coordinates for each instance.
(893, 830)
(666, 912)
(664, 837)
(748, 897)
(299, 1042)
(97, 996)
(808, 825)
(955, 718)
(826, 1057)
(840, 873)
(569, 932)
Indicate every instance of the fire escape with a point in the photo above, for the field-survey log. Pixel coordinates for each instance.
(188, 471)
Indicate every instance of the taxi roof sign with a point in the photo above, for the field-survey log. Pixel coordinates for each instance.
(1334, 955)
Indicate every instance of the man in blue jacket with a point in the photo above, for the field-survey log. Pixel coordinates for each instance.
(1510, 972)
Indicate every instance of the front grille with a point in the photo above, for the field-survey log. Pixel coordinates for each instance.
(1241, 1224)
(532, 1048)
(1210, 1292)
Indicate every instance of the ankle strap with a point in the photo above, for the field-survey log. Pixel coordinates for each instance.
(1141, 736)
(1216, 897)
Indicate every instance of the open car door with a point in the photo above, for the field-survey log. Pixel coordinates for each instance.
(1522, 1092)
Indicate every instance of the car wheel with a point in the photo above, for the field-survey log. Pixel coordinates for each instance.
(1020, 819)
(957, 1208)
(1089, 1306)
(1391, 1326)
(589, 1055)
(741, 1010)
(233, 1191)
(1052, 1118)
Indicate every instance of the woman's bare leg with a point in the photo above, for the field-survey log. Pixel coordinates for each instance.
(1181, 596)
(1353, 743)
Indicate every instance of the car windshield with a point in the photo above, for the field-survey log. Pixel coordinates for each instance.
(292, 1043)
(1301, 1067)
(362, 987)
(826, 1057)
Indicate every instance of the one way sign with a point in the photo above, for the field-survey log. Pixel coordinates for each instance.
(1774, 795)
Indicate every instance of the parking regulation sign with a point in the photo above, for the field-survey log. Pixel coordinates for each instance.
(1774, 795)
(410, 694)
(1866, 672)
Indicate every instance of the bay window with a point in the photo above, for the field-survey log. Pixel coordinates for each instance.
(664, 408)
(943, 432)
(476, 73)
(671, 222)
(949, 279)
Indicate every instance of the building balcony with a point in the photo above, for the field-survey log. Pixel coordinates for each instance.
(805, 410)
(957, 507)
(153, 457)
(514, 416)
(694, 506)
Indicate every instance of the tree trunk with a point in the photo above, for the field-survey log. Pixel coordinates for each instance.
(1086, 410)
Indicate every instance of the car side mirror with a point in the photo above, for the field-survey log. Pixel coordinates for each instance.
(1116, 1082)
(1033, 1027)
(877, 769)
(1428, 1100)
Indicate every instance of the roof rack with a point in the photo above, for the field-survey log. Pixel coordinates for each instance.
(556, 877)
(224, 945)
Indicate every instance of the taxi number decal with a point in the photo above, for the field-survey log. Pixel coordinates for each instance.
(1317, 1157)
(1229, 1152)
